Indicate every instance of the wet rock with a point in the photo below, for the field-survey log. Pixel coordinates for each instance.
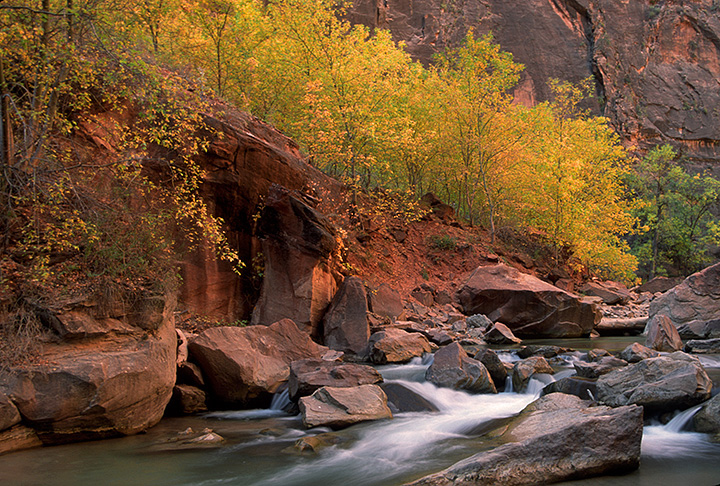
(525, 369)
(308, 375)
(397, 346)
(297, 244)
(494, 365)
(386, 302)
(402, 399)
(546, 351)
(246, 365)
(18, 438)
(600, 367)
(341, 407)
(499, 333)
(707, 420)
(662, 384)
(345, 324)
(530, 307)
(637, 352)
(663, 336)
(705, 346)
(453, 368)
(556, 438)
(696, 299)
(584, 388)
(316, 443)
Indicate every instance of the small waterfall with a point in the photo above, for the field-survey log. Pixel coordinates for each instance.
(281, 401)
(681, 420)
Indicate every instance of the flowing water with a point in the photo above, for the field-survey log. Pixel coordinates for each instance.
(259, 450)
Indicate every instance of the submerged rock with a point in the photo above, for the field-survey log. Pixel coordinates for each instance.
(556, 438)
(453, 368)
(662, 384)
(341, 407)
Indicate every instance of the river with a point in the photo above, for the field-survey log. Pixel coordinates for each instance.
(258, 450)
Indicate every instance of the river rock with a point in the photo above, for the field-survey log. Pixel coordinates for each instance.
(297, 243)
(499, 333)
(18, 438)
(453, 368)
(703, 346)
(524, 369)
(636, 352)
(545, 350)
(707, 420)
(662, 335)
(696, 300)
(187, 400)
(663, 384)
(584, 388)
(600, 367)
(247, 365)
(597, 354)
(558, 437)
(308, 375)
(397, 346)
(341, 407)
(402, 399)
(496, 368)
(9, 414)
(386, 302)
(530, 307)
(610, 292)
(345, 325)
(700, 329)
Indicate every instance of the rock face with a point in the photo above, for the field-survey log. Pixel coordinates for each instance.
(662, 384)
(239, 167)
(556, 438)
(106, 384)
(692, 303)
(453, 368)
(308, 375)
(397, 346)
(342, 407)
(530, 307)
(663, 336)
(345, 325)
(246, 365)
(665, 91)
(297, 245)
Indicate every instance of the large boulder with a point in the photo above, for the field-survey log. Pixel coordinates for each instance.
(665, 383)
(308, 375)
(636, 352)
(342, 407)
(397, 346)
(530, 307)
(298, 243)
(558, 437)
(345, 325)
(453, 368)
(245, 365)
(663, 336)
(610, 292)
(692, 303)
(115, 381)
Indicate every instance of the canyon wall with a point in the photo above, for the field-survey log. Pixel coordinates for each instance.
(656, 64)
